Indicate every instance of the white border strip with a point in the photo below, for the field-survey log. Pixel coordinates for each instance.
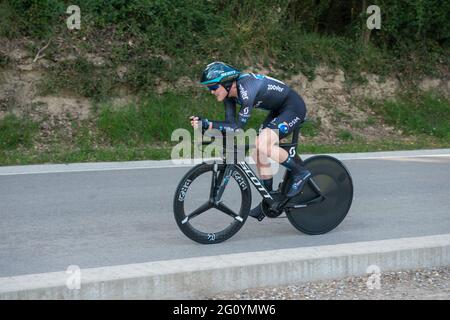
(204, 276)
(161, 164)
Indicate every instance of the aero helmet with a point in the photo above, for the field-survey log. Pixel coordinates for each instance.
(219, 73)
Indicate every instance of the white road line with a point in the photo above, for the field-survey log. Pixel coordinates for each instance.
(166, 164)
(396, 157)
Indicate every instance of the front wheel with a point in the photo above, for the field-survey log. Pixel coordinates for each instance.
(212, 202)
(316, 215)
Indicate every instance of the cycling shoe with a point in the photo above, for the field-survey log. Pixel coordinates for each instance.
(298, 182)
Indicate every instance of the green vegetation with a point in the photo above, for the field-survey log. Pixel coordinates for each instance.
(79, 77)
(417, 113)
(154, 120)
(345, 135)
(145, 123)
(143, 131)
(16, 132)
(3, 60)
(311, 128)
(370, 121)
(165, 39)
(135, 47)
(62, 154)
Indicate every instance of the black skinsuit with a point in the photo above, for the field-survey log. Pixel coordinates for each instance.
(286, 108)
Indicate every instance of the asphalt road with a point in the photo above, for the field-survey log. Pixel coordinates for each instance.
(100, 218)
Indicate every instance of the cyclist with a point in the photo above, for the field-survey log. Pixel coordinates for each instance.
(286, 111)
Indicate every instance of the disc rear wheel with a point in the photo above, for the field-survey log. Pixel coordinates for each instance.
(318, 215)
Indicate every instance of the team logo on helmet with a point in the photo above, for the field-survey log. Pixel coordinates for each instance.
(214, 74)
(283, 127)
(219, 72)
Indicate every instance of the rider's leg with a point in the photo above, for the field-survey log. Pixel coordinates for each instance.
(266, 176)
(268, 144)
(262, 161)
(263, 167)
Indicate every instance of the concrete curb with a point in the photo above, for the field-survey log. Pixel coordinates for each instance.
(195, 278)
(160, 164)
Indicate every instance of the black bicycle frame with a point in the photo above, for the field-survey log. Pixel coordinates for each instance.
(250, 174)
(224, 175)
(254, 179)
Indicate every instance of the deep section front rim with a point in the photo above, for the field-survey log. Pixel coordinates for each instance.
(182, 215)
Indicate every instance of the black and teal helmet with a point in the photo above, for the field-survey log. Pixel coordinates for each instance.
(219, 73)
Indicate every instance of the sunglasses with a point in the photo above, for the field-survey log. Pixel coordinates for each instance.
(213, 87)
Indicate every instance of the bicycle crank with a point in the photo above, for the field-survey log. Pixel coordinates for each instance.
(271, 210)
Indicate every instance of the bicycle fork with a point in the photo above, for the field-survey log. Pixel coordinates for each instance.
(223, 179)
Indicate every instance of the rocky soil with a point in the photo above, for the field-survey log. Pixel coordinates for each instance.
(420, 284)
(331, 101)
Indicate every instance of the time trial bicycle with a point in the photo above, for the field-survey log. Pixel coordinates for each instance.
(213, 200)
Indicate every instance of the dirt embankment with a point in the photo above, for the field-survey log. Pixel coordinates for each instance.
(334, 104)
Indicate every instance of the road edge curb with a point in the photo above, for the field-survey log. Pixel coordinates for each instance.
(197, 278)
